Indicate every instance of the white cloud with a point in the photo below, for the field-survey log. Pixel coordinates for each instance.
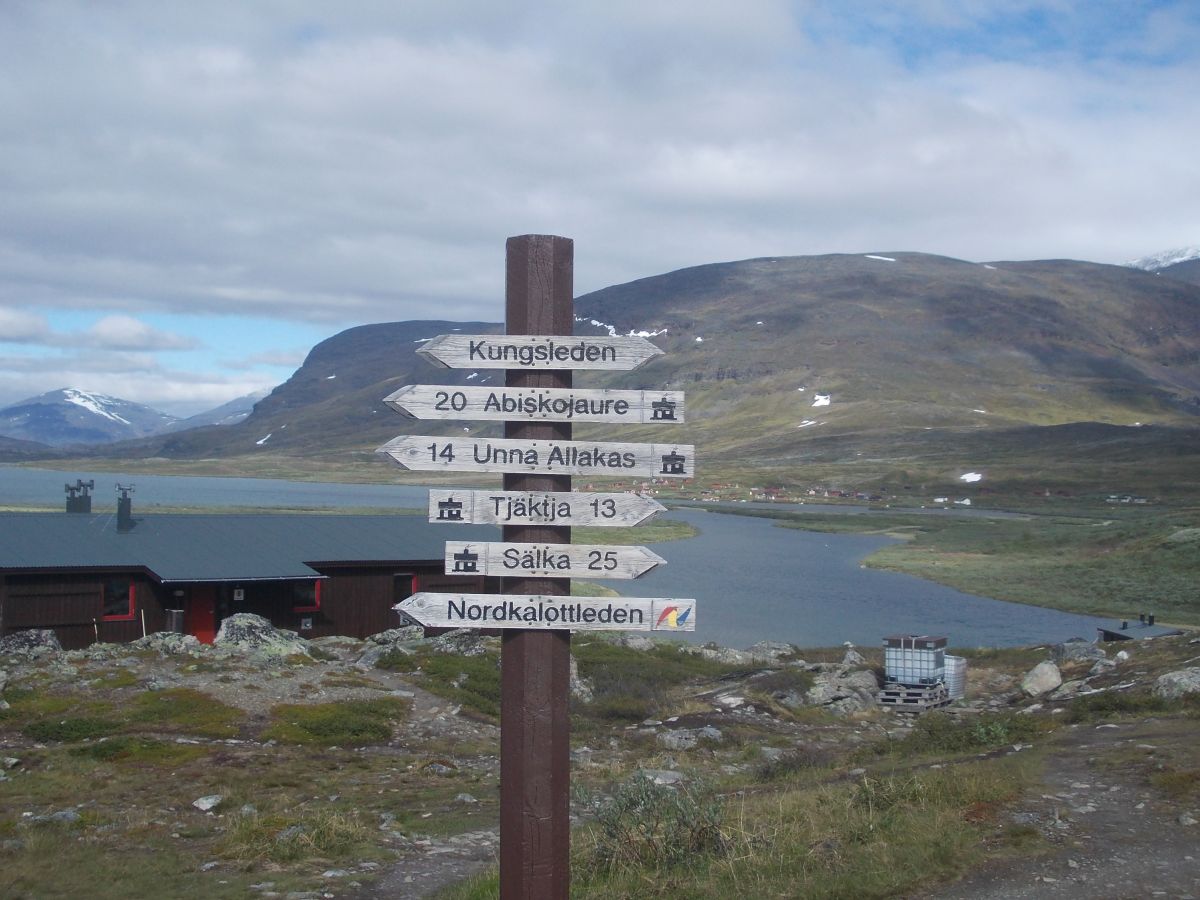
(365, 163)
(127, 333)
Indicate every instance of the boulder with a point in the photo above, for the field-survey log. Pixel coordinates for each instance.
(463, 642)
(251, 634)
(853, 658)
(726, 655)
(31, 643)
(1174, 685)
(687, 738)
(1041, 679)
(403, 640)
(843, 692)
(167, 643)
(633, 641)
(3, 685)
(581, 688)
(770, 651)
(1102, 666)
(1077, 650)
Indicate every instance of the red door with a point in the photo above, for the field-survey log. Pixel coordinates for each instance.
(201, 618)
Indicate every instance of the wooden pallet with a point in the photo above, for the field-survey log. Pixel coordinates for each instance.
(906, 698)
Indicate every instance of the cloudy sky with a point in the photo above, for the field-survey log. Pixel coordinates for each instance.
(192, 195)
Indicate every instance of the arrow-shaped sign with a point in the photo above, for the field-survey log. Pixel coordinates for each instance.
(531, 351)
(549, 560)
(428, 401)
(549, 508)
(536, 611)
(448, 454)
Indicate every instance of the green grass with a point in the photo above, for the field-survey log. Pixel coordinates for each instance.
(72, 728)
(185, 711)
(630, 685)
(472, 682)
(937, 733)
(880, 836)
(350, 723)
(138, 750)
(321, 834)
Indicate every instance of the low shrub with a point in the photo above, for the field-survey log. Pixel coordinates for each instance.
(353, 722)
(186, 710)
(324, 834)
(128, 748)
(937, 732)
(646, 825)
(77, 728)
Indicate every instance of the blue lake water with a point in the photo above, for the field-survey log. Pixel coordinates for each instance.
(752, 579)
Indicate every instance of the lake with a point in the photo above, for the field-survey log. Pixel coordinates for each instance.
(752, 579)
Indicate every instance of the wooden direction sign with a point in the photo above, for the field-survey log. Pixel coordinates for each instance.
(547, 508)
(426, 401)
(452, 454)
(536, 611)
(549, 560)
(534, 351)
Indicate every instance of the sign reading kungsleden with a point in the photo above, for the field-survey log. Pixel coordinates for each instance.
(532, 351)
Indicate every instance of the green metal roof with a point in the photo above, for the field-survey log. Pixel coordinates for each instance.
(222, 547)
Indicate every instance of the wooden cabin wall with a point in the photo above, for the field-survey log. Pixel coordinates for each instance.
(72, 607)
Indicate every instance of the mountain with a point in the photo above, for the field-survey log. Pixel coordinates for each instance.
(869, 367)
(71, 417)
(1182, 263)
(226, 414)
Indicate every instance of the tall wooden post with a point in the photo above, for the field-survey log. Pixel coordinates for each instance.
(535, 733)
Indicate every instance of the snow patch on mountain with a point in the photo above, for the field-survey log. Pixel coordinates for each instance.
(94, 403)
(1157, 261)
(612, 329)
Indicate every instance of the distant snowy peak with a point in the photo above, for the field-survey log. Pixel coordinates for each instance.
(70, 416)
(1167, 258)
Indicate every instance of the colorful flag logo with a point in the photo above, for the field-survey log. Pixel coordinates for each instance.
(673, 617)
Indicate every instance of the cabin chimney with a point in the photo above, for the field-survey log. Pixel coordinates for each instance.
(125, 521)
(79, 496)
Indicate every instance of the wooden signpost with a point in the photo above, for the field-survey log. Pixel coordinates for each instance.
(516, 611)
(546, 508)
(427, 401)
(536, 560)
(558, 351)
(429, 453)
(551, 560)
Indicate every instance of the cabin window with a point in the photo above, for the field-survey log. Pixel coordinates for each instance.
(306, 597)
(118, 599)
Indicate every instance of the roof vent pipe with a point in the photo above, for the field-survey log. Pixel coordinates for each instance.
(125, 521)
(79, 496)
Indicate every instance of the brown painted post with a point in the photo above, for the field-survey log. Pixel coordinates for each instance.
(535, 773)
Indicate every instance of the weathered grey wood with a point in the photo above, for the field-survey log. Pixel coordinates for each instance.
(538, 351)
(530, 560)
(430, 401)
(541, 508)
(540, 612)
(427, 453)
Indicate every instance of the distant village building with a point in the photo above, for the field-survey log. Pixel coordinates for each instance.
(99, 577)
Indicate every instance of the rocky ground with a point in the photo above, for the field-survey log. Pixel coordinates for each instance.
(1114, 814)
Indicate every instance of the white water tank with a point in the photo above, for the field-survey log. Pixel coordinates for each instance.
(956, 676)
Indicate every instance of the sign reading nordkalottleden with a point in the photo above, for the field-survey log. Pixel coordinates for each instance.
(535, 611)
